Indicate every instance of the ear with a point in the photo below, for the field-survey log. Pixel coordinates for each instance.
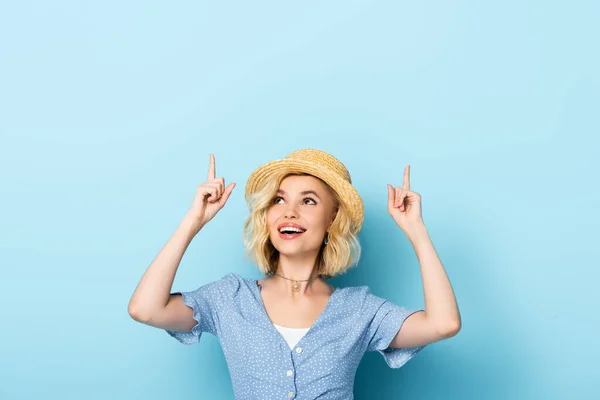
(333, 216)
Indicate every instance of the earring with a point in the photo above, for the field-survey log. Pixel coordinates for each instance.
(326, 240)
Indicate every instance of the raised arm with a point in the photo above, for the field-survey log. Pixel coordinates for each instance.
(152, 302)
(441, 318)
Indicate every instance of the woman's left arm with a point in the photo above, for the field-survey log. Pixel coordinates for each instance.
(441, 318)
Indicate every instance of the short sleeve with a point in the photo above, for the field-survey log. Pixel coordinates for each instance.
(386, 319)
(206, 302)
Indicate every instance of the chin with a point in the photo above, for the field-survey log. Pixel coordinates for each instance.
(291, 249)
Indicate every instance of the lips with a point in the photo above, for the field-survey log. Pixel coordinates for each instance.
(289, 236)
(291, 227)
(290, 231)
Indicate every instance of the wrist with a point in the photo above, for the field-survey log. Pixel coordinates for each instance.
(191, 223)
(417, 232)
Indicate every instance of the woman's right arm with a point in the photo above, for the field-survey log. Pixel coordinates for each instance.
(152, 302)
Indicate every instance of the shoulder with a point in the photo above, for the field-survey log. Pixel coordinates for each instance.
(233, 282)
(361, 296)
(360, 292)
(228, 285)
(235, 285)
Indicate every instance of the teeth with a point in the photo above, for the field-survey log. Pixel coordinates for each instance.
(291, 229)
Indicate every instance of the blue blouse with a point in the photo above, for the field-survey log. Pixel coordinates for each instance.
(323, 363)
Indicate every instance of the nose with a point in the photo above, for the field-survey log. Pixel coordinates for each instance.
(290, 211)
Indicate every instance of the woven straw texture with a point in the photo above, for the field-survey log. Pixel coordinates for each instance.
(317, 163)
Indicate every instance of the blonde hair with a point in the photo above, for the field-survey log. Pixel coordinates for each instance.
(341, 252)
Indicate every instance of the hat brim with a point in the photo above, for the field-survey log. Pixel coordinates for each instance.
(346, 192)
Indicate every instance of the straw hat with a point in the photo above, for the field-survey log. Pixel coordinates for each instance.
(317, 163)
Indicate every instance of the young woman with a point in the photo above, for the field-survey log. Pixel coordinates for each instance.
(291, 334)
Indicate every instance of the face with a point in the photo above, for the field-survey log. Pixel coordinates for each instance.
(303, 209)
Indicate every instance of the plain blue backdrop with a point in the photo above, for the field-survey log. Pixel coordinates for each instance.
(109, 111)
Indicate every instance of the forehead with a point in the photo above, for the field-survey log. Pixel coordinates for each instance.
(299, 183)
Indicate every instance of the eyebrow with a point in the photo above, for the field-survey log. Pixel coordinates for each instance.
(302, 193)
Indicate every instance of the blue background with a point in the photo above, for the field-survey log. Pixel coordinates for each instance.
(109, 112)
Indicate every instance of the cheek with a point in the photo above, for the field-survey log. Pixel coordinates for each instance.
(317, 219)
(271, 217)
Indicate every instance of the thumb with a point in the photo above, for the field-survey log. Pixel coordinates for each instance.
(227, 193)
(391, 196)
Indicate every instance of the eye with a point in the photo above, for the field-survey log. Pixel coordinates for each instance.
(276, 200)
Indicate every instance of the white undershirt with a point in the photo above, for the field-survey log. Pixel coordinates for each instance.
(291, 335)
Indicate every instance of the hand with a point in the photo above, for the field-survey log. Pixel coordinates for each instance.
(210, 196)
(404, 205)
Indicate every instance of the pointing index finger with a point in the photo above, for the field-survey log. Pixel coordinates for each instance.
(406, 182)
(212, 169)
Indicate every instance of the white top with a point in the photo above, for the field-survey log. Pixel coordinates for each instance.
(291, 335)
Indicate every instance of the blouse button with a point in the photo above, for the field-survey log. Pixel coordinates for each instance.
(290, 372)
(291, 394)
(298, 350)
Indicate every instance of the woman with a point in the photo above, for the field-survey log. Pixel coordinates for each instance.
(291, 334)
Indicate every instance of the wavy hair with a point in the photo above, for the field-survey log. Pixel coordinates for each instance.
(342, 251)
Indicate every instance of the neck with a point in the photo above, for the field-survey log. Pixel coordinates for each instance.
(297, 268)
(300, 269)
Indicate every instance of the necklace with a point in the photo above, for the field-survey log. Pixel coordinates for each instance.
(295, 283)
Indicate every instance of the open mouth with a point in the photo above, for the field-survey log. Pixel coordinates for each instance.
(289, 232)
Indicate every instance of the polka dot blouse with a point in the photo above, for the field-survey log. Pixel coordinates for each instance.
(324, 361)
